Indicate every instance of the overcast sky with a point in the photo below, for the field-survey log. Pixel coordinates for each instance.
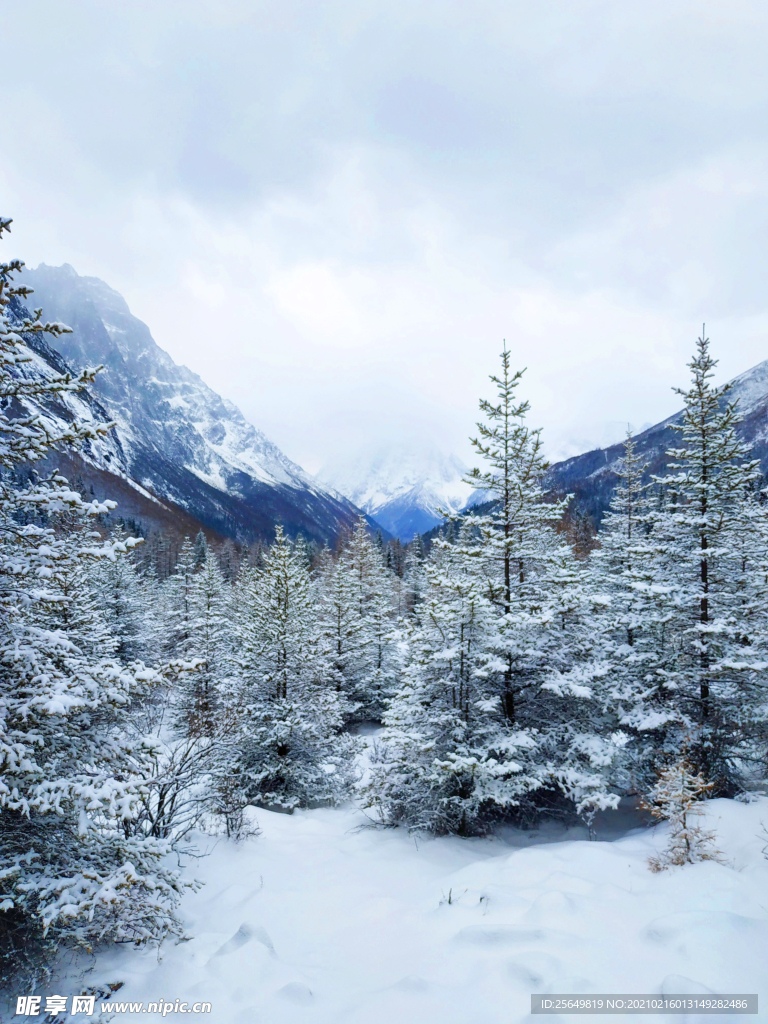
(336, 211)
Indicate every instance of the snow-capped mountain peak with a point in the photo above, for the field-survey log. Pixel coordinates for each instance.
(402, 486)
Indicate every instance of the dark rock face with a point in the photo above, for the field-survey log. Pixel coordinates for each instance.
(591, 477)
(175, 437)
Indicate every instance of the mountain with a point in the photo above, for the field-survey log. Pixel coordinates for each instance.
(99, 468)
(591, 477)
(176, 439)
(402, 486)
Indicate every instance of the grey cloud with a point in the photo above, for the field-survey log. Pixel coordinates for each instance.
(565, 173)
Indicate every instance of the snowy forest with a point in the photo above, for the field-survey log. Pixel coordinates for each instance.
(498, 672)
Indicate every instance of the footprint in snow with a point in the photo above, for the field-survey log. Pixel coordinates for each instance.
(476, 935)
(534, 970)
(245, 933)
(294, 992)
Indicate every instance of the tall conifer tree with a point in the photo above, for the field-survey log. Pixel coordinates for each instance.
(716, 534)
(293, 750)
(72, 868)
(499, 708)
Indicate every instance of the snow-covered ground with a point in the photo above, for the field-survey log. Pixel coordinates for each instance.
(320, 920)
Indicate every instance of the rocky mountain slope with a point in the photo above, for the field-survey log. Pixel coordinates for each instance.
(179, 441)
(402, 486)
(591, 477)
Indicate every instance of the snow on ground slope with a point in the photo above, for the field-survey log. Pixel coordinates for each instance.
(320, 921)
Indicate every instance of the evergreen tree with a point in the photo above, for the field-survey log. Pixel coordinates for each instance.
(193, 732)
(209, 645)
(502, 698)
(636, 626)
(179, 603)
(449, 756)
(677, 798)
(413, 575)
(357, 595)
(79, 614)
(201, 549)
(513, 530)
(71, 871)
(542, 655)
(715, 555)
(340, 621)
(124, 597)
(292, 712)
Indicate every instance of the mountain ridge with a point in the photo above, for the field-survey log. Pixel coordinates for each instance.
(591, 477)
(178, 439)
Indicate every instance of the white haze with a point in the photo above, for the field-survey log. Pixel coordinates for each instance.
(336, 212)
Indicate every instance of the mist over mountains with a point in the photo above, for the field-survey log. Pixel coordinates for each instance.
(402, 486)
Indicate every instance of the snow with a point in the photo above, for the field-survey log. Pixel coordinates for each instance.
(214, 478)
(320, 919)
(373, 478)
(751, 387)
(400, 478)
(177, 402)
(103, 451)
(142, 415)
